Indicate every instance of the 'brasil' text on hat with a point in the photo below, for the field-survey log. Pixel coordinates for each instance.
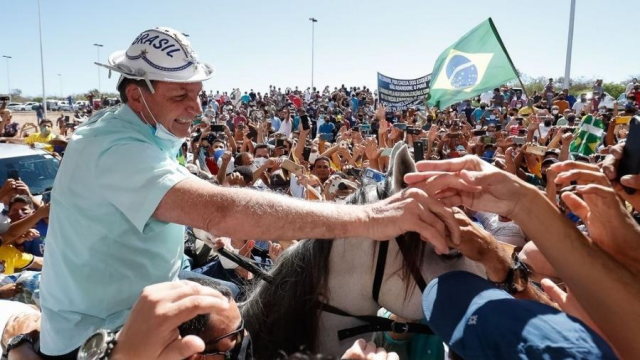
(162, 54)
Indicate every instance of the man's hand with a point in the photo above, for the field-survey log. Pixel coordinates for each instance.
(609, 224)
(151, 331)
(9, 187)
(226, 157)
(10, 290)
(362, 350)
(471, 182)
(610, 169)
(381, 113)
(478, 245)
(433, 133)
(413, 210)
(371, 149)
(28, 236)
(275, 250)
(235, 179)
(22, 188)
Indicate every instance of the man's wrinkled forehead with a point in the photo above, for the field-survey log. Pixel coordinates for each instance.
(173, 87)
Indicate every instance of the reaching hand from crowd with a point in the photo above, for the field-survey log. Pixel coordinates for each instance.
(470, 182)
(609, 224)
(151, 331)
(362, 350)
(610, 169)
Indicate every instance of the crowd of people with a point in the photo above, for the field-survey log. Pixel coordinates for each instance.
(229, 168)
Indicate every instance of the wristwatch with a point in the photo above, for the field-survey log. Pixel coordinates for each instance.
(18, 340)
(98, 346)
(517, 276)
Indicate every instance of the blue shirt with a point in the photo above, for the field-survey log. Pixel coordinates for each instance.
(275, 123)
(245, 98)
(103, 246)
(326, 128)
(295, 123)
(36, 246)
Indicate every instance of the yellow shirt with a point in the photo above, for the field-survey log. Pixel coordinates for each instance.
(13, 260)
(40, 141)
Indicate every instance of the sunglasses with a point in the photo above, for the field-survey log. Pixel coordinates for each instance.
(239, 336)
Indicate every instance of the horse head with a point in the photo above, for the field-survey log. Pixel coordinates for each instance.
(285, 316)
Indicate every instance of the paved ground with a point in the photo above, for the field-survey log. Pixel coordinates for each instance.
(23, 117)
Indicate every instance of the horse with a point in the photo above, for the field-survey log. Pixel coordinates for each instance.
(285, 316)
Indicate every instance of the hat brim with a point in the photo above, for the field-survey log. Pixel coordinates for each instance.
(117, 60)
(479, 321)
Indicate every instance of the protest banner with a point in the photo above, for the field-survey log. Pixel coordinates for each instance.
(400, 94)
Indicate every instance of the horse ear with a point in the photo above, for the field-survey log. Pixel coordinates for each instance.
(400, 164)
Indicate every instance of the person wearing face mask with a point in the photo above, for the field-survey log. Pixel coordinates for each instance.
(39, 140)
(121, 202)
(555, 114)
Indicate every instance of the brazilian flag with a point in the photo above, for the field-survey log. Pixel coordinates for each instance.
(588, 136)
(474, 64)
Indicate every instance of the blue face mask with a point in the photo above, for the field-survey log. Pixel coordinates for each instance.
(165, 139)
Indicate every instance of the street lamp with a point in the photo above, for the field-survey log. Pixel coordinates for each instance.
(313, 23)
(567, 68)
(60, 77)
(8, 78)
(44, 95)
(98, 46)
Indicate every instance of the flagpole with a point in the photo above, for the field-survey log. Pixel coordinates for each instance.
(497, 34)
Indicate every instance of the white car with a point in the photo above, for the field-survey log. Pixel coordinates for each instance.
(80, 104)
(28, 106)
(14, 106)
(63, 106)
(37, 168)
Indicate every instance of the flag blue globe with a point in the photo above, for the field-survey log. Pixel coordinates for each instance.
(461, 71)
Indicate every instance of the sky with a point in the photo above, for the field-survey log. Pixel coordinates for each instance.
(254, 44)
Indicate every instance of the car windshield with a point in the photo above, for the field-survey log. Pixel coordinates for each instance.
(37, 171)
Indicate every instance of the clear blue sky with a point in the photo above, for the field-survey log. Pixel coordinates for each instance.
(254, 44)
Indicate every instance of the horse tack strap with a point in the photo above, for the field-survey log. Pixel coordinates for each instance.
(259, 273)
(380, 266)
(417, 276)
(374, 324)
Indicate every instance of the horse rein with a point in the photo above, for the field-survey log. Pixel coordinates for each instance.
(376, 323)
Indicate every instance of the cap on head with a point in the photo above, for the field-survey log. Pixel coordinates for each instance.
(161, 54)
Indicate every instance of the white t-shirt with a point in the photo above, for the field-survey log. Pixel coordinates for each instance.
(504, 231)
(544, 130)
(577, 107)
(285, 128)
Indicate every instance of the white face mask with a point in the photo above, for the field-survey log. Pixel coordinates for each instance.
(258, 162)
(555, 112)
(160, 131)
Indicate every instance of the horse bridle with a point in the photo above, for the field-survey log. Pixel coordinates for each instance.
(376, 323)
(373, 323)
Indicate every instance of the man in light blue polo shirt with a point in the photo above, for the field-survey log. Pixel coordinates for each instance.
(120, 200)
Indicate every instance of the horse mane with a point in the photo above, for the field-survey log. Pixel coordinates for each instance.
(282, 317)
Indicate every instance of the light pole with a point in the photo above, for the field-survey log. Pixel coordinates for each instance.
(44, 95)
(313, 23)
(60, 77)
(8, 78)
(98, 46)
(567, 68)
